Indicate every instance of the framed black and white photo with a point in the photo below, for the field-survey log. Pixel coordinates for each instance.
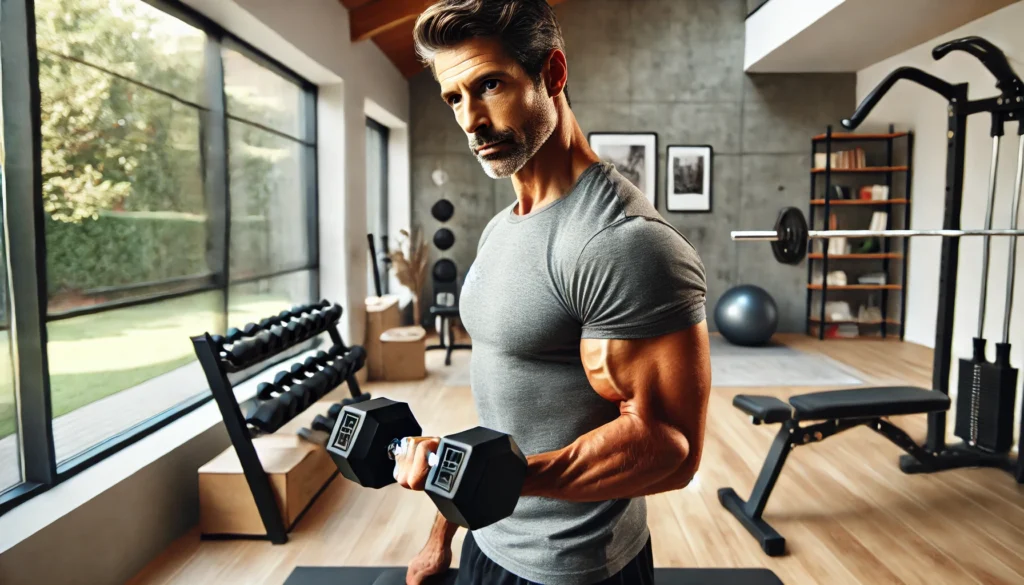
(635, 156)
(688, 179)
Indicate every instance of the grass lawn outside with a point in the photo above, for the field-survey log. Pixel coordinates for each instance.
(95, 356)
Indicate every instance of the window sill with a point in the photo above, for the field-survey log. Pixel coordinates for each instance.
(44, 509)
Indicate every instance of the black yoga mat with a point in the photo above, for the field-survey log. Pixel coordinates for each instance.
(367, 576)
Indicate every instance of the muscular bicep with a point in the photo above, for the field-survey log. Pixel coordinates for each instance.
(663, 381)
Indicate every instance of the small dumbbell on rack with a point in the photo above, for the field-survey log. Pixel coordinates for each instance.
(250, 344)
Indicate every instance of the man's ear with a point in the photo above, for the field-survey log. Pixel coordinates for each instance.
(556, 72)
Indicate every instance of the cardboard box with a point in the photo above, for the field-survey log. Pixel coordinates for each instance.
(404, 351)
(298, 471)
(381, 314)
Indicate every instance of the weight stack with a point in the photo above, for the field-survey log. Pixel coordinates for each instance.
(985, 405)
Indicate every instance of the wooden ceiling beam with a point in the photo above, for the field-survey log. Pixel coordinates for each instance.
(369, 20)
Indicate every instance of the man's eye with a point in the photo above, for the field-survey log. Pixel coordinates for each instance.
(453, 100)
(491, 84)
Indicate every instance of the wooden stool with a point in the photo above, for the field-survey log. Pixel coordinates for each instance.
(403, 354)
(382, 313)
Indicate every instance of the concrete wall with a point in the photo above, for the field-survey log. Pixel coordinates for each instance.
(674, 67)
(914, 107)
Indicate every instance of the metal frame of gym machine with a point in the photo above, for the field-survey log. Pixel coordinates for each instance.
(217, 370)
(1006, 107)
(935, 454)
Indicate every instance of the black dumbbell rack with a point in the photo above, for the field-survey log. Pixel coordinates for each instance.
(217, 363)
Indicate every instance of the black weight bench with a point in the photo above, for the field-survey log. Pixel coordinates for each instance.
(839, 410)
(396, 576)
(447, 340)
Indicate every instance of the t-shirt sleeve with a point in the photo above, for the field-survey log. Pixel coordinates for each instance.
(635, 279)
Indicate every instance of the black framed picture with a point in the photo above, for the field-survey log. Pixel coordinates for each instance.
(634, 154)
(688, 180)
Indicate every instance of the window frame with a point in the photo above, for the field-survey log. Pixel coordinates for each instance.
(383, 202)
(23, 198)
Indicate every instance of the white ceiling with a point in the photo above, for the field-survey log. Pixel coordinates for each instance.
(849, 35)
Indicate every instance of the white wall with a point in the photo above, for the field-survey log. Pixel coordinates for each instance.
(911, 106)
(803, 36)
(777, 22)
(105, 524)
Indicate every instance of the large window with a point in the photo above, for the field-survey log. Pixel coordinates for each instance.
(175, 194)
(10, 446)
(377, 199)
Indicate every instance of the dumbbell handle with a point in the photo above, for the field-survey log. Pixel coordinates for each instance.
(398, 447)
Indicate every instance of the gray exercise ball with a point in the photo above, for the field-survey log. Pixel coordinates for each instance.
(747, 315)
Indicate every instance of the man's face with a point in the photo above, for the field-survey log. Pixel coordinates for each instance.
(505, 113)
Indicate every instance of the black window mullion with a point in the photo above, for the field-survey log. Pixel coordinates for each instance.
(24, 221)
(309, 165)
(216, 176)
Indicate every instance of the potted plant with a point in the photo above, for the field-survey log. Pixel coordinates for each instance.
(409, 262)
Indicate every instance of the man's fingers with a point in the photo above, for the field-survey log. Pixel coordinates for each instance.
(411, 467)
(419, 469)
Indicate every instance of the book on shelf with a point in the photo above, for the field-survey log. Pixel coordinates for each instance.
(879, 219)
(872, 279)
(842, 331)
(841, 159)
(874, 193)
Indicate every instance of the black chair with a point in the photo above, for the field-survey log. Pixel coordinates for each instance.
(446, 306)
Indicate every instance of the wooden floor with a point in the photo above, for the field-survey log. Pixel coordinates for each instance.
(849, 514)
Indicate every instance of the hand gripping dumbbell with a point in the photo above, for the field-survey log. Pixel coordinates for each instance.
(477, 474)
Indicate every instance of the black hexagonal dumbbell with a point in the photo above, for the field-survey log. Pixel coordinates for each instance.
(322, 426)
(329, 375)
(476, 475)
(333, 313)
(288, 382)
(234, 334)
(270, 415)
(244, 351)
(291, 402)
(323, 423)
(335, 408)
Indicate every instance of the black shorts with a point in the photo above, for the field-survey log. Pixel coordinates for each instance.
(476, 569)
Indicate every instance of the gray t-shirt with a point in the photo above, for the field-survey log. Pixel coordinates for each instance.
(598, 263)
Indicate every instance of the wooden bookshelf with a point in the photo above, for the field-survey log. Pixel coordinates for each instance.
(860, 202)
(874, 256)
(866, 170)
(857, 287)
(848, 136)
(888, 160)
(816, 320)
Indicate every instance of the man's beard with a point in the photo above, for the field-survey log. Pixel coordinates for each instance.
(517, 148)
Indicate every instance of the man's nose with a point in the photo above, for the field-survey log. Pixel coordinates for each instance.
(474, 118)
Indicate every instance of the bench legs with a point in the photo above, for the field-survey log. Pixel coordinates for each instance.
(749, 512)
(447, 342)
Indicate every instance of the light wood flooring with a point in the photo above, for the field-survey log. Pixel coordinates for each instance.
(849, 515)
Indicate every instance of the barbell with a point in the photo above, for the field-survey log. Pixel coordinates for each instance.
(790, 236)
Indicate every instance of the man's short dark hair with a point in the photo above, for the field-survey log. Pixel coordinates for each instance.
(527, 29)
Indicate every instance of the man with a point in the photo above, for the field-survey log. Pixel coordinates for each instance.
(586, 311)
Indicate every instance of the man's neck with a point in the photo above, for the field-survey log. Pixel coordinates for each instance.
(553, 171)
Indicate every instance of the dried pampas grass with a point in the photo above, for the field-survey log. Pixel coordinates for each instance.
(409, 262)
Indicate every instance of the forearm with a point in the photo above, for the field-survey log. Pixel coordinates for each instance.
(441, 533)
(626, 458)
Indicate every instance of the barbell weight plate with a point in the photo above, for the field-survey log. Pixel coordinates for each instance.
(791, 245)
